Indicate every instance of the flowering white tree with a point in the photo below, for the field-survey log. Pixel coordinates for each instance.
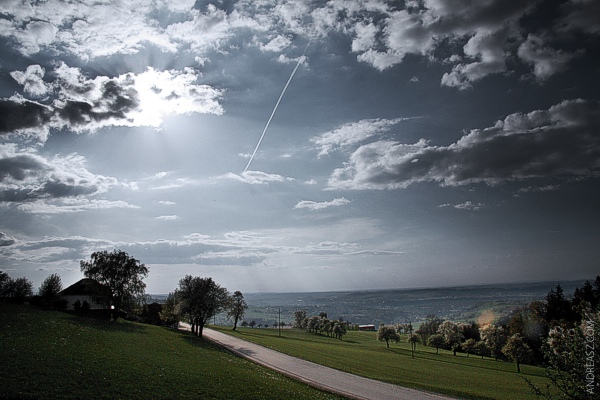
(573, 357)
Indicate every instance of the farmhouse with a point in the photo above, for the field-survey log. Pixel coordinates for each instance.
(89, 290)
(366, 328)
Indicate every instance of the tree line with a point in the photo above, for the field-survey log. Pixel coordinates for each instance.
(19, 290)
(320, 324)
(557, 333)
(195, 300)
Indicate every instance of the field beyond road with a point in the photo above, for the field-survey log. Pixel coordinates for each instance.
(361, 354)
(55, 355)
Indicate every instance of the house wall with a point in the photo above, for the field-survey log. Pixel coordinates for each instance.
(73, 298)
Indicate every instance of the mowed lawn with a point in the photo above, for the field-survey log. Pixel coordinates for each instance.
(360, 353)
(54, 355)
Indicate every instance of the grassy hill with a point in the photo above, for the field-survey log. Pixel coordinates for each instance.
(49, 355)
(360, 353)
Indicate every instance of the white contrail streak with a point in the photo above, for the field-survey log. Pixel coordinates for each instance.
(275, 108)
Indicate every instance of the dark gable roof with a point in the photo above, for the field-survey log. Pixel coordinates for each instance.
(86, 286)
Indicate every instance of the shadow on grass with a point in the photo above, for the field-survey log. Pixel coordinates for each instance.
(197, 341)
(407, 353)
(244, 334)
(103, 323)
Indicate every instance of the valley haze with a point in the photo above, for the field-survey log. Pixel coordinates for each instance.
(481, 303)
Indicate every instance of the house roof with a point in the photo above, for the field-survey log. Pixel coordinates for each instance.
(85, 286)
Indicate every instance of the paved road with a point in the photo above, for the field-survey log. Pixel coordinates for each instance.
(329, 379)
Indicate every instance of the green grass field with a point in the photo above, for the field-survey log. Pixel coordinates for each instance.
(360, 353)
(54, 355)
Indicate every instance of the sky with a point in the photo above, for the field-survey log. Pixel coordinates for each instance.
(417, 143)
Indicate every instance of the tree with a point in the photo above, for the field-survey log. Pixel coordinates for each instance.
(529, 322)
(314, 324)
(299, 317)
(200, 299)
(413, 340)
(4, 281)
(572, 364)
(387, 334)
(470, 331)
(495, 338)
(50, 288)
(119, 272)
(482, 349)
(436, 341)
(339, 329)
(517, 350)
(236, 308)
(558, 308)
(469, 346)
(151, 313)
(587, 296)
(429, 327)
(17, 290)
(169, 313)
(452, 335)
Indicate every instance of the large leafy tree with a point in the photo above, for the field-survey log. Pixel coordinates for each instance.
(236, 308)
(16, 289)
(572, 361)
(517, 350)
(120, 273)
(199, 299)
(50, 288)
(4, 283)
(436, 340)
(452, 334)
(299, 317)
(387, 334)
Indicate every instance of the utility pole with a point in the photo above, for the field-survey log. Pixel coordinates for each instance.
(279, 323)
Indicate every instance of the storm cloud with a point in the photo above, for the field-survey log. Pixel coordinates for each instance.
(561, 142)
(27, 176)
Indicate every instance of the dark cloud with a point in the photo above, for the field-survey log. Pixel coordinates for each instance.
(115, 102)
(19, 167)
(84, 102)
(563, 141)
(21, 115)
(78, 103)
(581, 15)
(27, 176)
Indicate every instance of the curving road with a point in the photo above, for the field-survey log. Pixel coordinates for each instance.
(325, 378)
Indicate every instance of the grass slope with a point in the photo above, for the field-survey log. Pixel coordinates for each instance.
(360, 353)
(49, 355)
